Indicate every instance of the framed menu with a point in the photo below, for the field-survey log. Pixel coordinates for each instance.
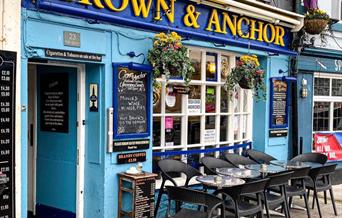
(7, 133)
(132, 100)
(279, 103)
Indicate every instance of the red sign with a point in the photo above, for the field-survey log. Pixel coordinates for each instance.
(328, 144)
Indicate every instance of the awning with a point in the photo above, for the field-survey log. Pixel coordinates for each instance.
(255, 9)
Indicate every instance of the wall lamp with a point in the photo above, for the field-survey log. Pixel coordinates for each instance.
(304, 89)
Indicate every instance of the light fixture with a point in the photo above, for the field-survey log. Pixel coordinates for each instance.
(304, 90)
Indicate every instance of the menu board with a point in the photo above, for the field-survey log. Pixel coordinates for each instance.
(144, 200)
(279, 103)
(7, 130)
(54, 102)
(131, 98)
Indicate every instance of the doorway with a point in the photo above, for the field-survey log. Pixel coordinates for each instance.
(56, 140)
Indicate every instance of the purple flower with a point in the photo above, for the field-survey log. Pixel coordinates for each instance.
(310, 4)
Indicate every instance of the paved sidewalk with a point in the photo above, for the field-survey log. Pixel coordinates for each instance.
(327, 209)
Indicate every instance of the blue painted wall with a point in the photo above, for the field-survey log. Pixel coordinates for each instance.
(275, 146)
(101, 182)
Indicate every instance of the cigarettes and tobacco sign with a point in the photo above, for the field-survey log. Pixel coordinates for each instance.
(279, 103)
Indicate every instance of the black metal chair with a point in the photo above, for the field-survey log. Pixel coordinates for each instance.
(236, 201)
(168, 166)
(311, 157)
(297, 186)
(273, 200)
(237, 160)
(210, 203)
(321, 182)
(259, 156)
(211, 163)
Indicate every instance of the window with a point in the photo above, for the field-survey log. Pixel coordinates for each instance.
(327, 111)
(206, 117)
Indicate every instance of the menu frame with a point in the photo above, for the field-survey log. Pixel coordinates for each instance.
(286, 122)
(136, 67)
(10, 57)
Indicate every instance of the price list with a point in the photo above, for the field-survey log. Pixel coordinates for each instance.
(144, 201)
(7, 132)
(279, 103)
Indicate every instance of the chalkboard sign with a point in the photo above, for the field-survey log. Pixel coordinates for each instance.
(279, 103)
(7, 133)
(54, 102)
(131, 101)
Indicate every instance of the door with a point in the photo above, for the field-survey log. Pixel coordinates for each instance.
(56, 161)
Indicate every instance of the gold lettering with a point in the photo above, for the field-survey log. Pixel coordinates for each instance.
(162, 6)
(97, 3)
(214, 20)
(141, 8)
(259, 30)
(239, 25)
(231, 25)
(279, 39)
(272, 32)
(110, 5)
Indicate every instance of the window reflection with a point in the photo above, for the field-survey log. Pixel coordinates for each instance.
(321, 116)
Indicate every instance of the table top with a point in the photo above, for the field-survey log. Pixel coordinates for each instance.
(225, 181)
(269, 169)
(295, 164)
(238, 173)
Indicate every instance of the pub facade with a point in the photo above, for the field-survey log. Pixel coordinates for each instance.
(93, 111)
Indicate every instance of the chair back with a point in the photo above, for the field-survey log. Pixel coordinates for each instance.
(191, 196)
(256, 186)
(311, 157)
(259, 156)
(211, 163)
(278, 179)
(236, 159)
(325, 170)
(175, 166)
(300, 173)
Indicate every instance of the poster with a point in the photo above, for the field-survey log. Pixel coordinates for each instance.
(329, 144)
(278, 110)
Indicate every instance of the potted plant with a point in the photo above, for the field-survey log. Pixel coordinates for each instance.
(315, 21)
(248, 75)
(169, 57)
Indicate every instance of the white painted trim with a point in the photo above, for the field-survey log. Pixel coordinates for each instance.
(81, 91)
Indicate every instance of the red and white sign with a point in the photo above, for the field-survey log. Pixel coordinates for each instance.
(328, 144)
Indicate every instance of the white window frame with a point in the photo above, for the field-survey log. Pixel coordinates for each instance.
(331, 99)
(184, 114)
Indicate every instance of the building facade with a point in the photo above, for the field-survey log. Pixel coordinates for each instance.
(79, 125)
(319, 73)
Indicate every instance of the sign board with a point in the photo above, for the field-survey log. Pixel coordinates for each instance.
(279, 103)
(54, 102)
(185, 17)
(131, 157)
(194, 106)
(209, 136)
(54, 53)
(178, 89)
(278, 132)
(72, 39)
(132, 107)
(131, 145)
(7, 133)
(144, 199)
(328, 143)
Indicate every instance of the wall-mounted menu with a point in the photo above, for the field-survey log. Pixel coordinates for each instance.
(279, 91)
(144, 200)
(54, 99)
(7, 133)
(132, 102)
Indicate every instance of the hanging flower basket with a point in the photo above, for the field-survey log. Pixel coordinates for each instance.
(247, 75)
(315, 26)
(170, 58)
(315, 21)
